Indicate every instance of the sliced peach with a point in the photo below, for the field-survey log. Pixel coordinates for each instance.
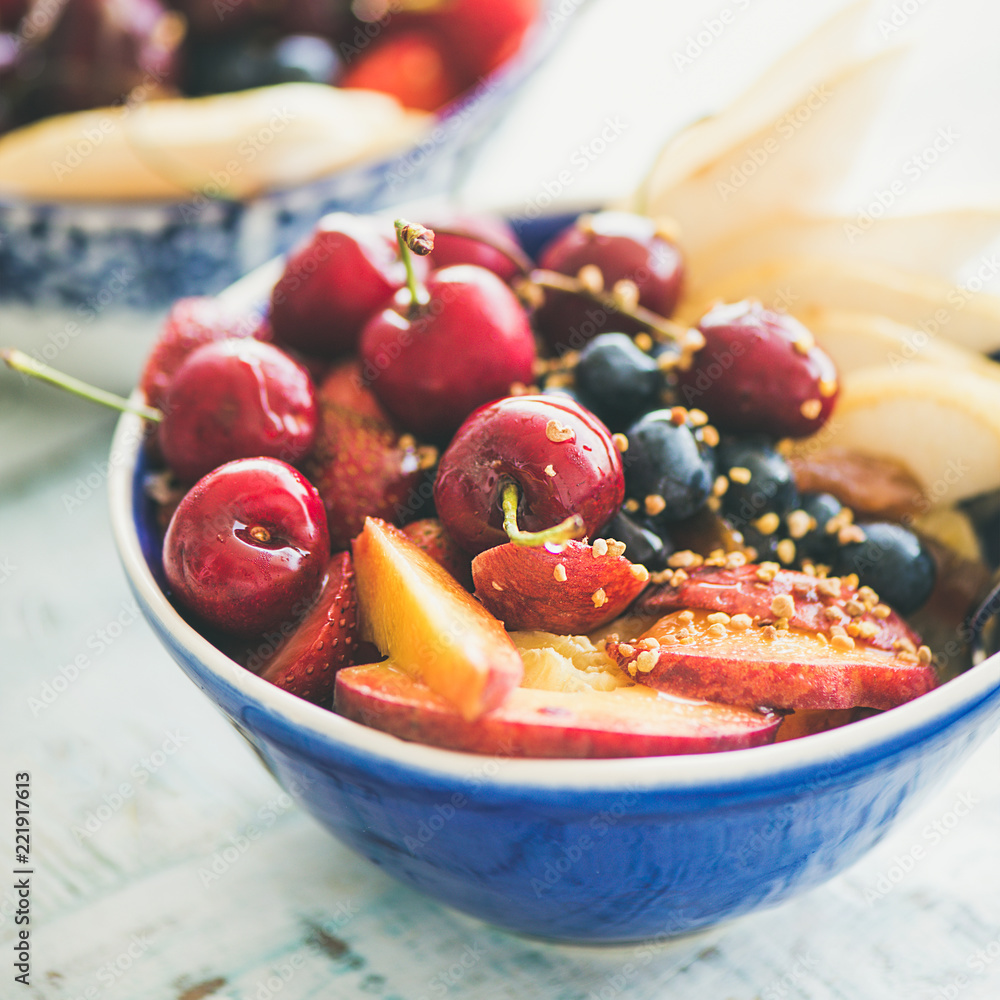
(577, 588)
(415, 612)
(695, 654)
(627, 722)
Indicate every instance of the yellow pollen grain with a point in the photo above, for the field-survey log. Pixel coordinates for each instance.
(881, 611)
(621, 442)
(827, 387)
(768, 523)
(625, 294)
(717, 631)
(854, 608)
(720, 486)
(811, 408)
(686, 617)
(591, 278)
(804, 343)
(549, 471)
(924, 655)
(842, 642)
(740, 474)
(631, 505)
(786, 551)
(868, 630)
(559, 573)
(639, 572)
(678, 416)
(599, 597)
(626, 650)
(710, 435)
(654, 504)
(783, 606)
(718, 618)
(799, 524)
(740, 622)
(685, 559)
(600, 548)
(557, 432)
(496, 586)
(643, 341)
(615, 548)
(697, 417)
(645, 661)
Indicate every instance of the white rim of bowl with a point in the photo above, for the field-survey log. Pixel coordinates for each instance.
(635, 773)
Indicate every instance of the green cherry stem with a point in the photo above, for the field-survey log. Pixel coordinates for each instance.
(413, 239)
(558, 534)
(27, 365)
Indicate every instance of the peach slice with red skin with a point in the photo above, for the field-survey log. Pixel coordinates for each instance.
(628, 722)
(751, 589)
(433, 629)
(574, 589)
(690, 654)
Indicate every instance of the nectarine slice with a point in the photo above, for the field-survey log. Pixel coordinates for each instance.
(628, 722)
(416, 613)
(696, 654)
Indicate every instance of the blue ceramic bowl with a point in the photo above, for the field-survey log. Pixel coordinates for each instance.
(575, 850)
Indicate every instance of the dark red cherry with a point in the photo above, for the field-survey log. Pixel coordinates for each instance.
(246, 548)
(623, 247)
(236, 398)
(336, 278)
(759, 371)
(432, 365)
(562, 458)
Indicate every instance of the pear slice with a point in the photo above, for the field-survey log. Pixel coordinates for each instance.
(797, 285)
(431, 628)
(943, 426)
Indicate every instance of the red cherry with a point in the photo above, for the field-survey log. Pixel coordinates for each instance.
(236, 398)
(191, 322)
(413, 66)
(432, 365)
(247, 546)
(760, 371)
(562, 458)
(485, 240)
(623, 247)
(333, 282)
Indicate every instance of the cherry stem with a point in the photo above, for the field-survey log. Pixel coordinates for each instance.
(413, 239)
(519, 259)
(665, 328)
(558, 534)
(27, 365)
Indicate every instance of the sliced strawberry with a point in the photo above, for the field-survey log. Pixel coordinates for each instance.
(628, 722)
(428, 534)
(361, 466)
(818, 604)
(571, 591)
(191, 322)
(697, 655)
(308, 660)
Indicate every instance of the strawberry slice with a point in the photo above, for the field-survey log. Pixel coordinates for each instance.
(698, 655)
(429, 534)
(308, 660)
(818, 603)
(191, 322)
(573, 590)
(628, 722)
(359, 464)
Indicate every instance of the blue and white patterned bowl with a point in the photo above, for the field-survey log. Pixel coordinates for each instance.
(594, 851)
(85, 285)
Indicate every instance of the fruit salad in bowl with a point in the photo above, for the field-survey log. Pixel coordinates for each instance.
(153, 149)
(586, 599)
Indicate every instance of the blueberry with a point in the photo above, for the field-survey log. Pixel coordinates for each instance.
(760, 480)
(817, 543)
(667, 461)
(893, 562)
(617, 380)
(642, 544)
(766, 546)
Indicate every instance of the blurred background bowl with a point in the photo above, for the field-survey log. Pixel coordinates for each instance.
(85, 284)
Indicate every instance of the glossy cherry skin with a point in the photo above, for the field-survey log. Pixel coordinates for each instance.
(760, 371)
(432, 366)
(236, 398)
(527, 440)
(247, 546)
(333, 281)
(624, 247)
(485, 240)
